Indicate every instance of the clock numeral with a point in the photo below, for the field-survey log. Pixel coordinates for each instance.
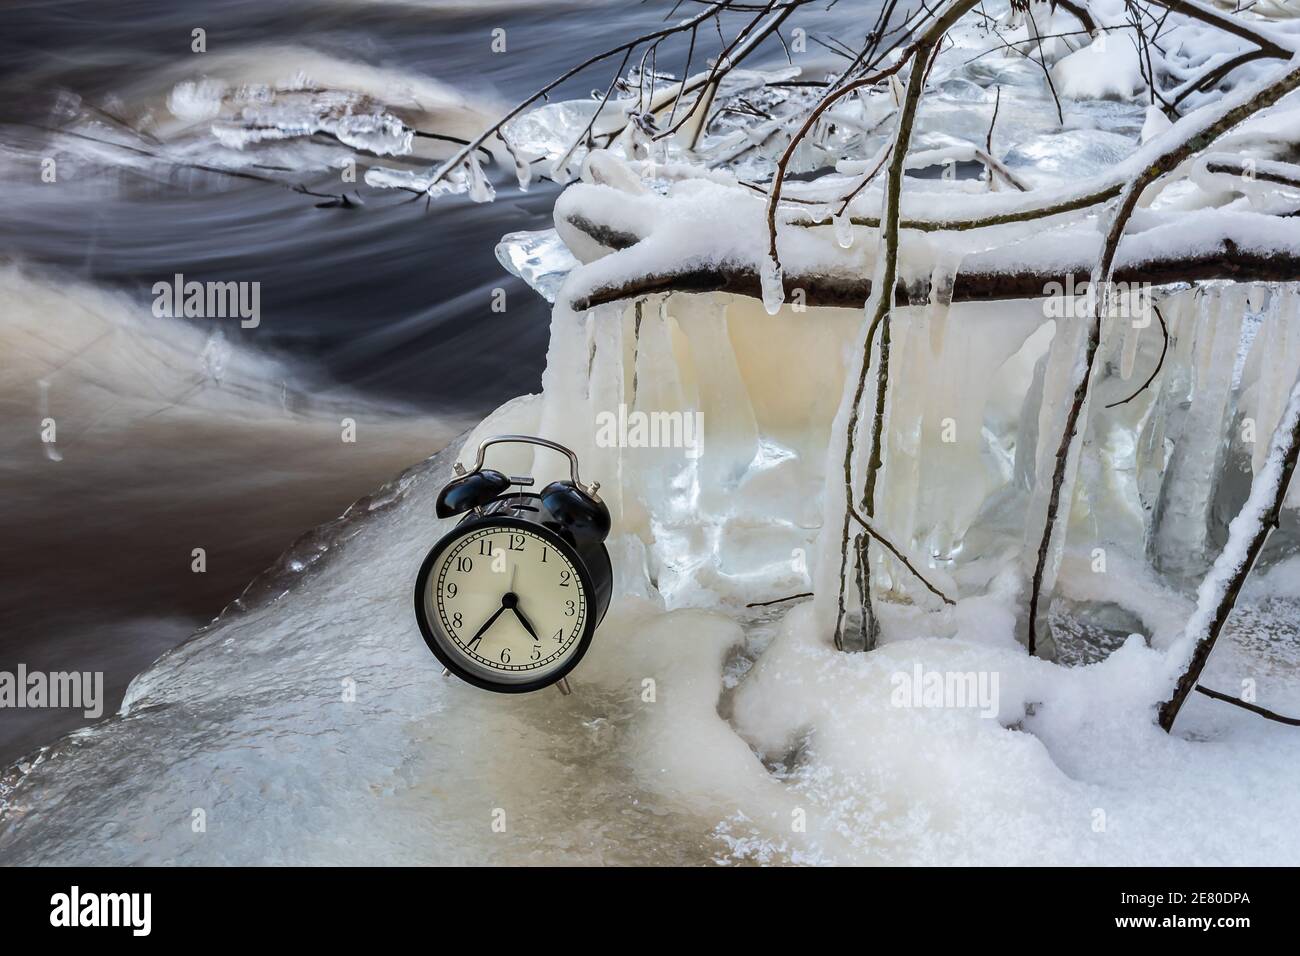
(569, 608)
(505, 655)
(485, 547)
(537, 653)
(452, 590)
(456, 620)
(516, 542)
(543, 555)
(464, 564)
(559, 636)
(564, 578)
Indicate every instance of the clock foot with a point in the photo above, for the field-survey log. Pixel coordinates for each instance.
(446, 672)
(563, 685)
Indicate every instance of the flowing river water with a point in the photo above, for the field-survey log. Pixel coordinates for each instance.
(175, 439)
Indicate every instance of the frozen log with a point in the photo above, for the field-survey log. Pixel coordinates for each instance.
(1227, 257)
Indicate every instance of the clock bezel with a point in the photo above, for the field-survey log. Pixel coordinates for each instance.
(449, 658)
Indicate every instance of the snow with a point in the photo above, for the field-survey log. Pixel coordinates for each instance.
(1100, 71)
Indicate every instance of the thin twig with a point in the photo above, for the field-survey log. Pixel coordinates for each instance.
(997, 102)
(1155, 371)
(792, 597)
(687, 24)
(889, 546)
(1253, 708)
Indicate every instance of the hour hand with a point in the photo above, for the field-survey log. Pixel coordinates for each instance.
(528, 626)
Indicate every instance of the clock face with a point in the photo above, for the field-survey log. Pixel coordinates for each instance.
(505, 605)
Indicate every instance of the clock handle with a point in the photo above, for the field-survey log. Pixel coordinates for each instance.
(534, 440)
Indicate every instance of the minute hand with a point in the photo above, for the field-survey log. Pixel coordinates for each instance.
(486, 624)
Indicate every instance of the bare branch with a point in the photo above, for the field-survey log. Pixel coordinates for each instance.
(792, 597)
(1253, 708)
(870, 530)
(688, 24)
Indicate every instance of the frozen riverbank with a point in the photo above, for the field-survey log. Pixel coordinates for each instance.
(315, 727)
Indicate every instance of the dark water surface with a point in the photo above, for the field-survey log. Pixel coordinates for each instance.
(382, 313)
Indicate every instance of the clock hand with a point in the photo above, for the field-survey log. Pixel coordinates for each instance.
(526, 623)
(488, 623)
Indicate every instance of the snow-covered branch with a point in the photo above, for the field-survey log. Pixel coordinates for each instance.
(1270, 42)
(641, 245)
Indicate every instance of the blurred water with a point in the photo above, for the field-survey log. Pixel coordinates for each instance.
(384, 299)
(383, 313)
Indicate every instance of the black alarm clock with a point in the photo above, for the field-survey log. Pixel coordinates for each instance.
(509, 599)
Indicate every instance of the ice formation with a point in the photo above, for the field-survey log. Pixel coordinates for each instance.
(280, 110)
(310, 724)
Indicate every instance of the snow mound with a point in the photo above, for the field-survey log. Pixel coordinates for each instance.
(1108, 70)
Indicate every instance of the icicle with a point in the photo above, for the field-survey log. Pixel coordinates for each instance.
(773, 286)
(1184, 329)
(943, 278)
(1257, 297)
(730, 431)
(605, 393)
(843, 230)
(823, 213)
(896, 90)
(480, 188)
(1060, 370)
(1277, 367)
(1211, 313)
(1128, 356)
(1181, 533)
(523, 171)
